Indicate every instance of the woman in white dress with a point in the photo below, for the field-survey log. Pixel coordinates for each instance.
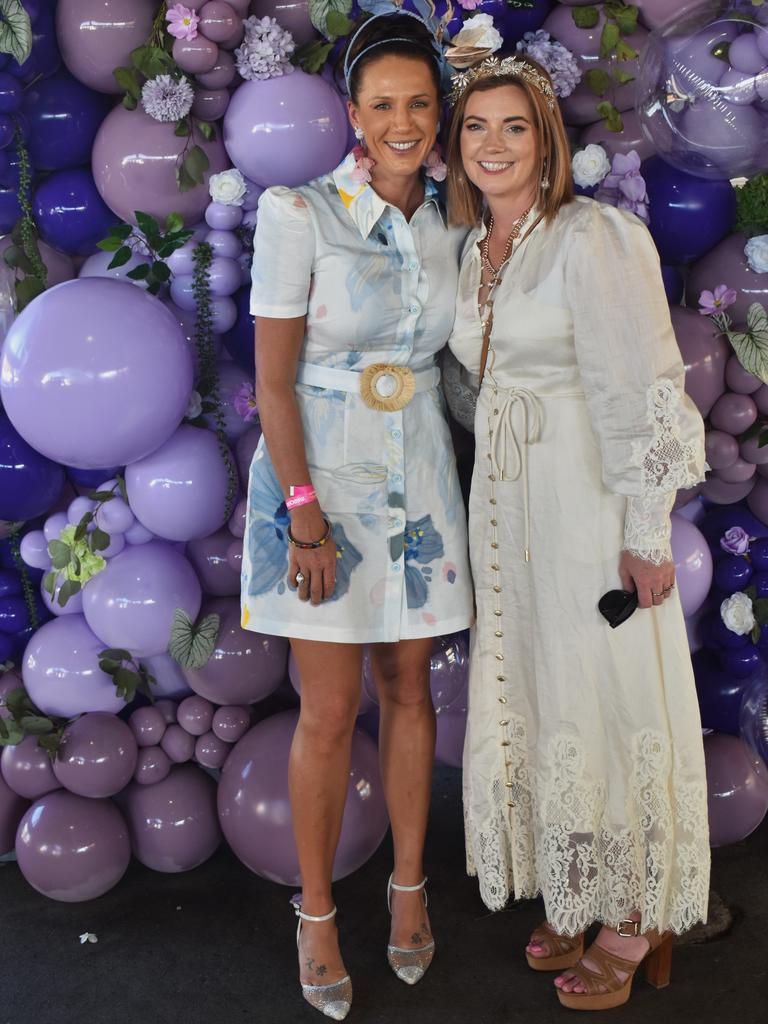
(583, 767)
(356, 531)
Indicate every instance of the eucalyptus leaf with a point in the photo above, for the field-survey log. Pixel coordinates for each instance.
(60, 553)
(15, 30)
(101, 496)
(100, 540)
(585, 17)
(751, 346)
(192, 645)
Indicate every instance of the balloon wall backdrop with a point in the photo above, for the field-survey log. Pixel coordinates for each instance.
(136, 138)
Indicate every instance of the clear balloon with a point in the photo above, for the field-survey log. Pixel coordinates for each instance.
(753, 716)
(737, 789)
(97, 756)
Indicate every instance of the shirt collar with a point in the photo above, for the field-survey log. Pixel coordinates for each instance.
(364, 205)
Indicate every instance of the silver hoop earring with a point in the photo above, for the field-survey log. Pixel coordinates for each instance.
(359, 134)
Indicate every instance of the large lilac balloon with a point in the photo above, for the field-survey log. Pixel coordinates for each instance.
(208, 555)
(61, 670)
(726, 263)
(179, 491)
(97, 755)
(29, 482)
(254, 807)
(134, 165)
(95, 374)
(688, 215)
(96, 36)
(285, 131)
(168, 676)
(693, 564)
(12, 808)
(173, 823)
(245, 666)
(71, 848)
(630, 137)
(705, 353)
(69, 212)
(132, 602)
(737, 789)
(27, 769)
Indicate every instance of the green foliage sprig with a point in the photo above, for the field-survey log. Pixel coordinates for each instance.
(620, 21)
(24, 719)
(330, 18)
(752, 206)
(28, 590)
(208, 385)
(154, 271)
(127, 673)
(24, 255)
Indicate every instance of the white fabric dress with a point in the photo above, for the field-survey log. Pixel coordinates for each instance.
(375, 289)
(583, 766)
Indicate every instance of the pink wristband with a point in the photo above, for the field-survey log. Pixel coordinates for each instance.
(301, 495)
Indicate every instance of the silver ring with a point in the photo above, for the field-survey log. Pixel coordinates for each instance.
(299, 578)
(657, 595)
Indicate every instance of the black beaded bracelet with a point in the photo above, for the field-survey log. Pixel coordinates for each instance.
(310, 545)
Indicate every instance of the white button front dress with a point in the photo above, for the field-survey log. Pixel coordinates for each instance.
(583, 766)
(376, 289)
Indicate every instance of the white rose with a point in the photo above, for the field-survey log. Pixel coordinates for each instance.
(228, 188)
(479, 31)
(756, 251)
(736, 612)
(590, 165)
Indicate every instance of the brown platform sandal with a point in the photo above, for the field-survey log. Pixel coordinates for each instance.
(565, 950)
(605, 988)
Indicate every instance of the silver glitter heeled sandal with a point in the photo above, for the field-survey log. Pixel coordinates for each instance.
(333, 1000)
(409, 964)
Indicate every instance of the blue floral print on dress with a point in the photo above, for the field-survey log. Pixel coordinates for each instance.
(423, 544)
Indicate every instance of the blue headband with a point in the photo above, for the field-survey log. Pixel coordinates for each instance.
(436, 54)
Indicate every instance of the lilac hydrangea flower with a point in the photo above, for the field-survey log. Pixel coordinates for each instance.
(625, 187)
(735, 541)
(712, 303)
(265, 50)
(559, 62)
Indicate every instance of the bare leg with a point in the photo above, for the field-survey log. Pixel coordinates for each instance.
(318, 772)
(406, 750)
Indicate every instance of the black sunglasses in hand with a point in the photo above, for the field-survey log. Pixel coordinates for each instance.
(617, 605)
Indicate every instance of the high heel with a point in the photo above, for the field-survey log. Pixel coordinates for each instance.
(333, 1000)
(409, 965)
(604, 986)
(565, 950)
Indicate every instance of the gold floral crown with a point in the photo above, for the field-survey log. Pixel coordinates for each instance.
(493, 67)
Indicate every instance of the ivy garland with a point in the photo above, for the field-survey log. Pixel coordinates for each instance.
(23, 570)
(24, 254)
(208, 385)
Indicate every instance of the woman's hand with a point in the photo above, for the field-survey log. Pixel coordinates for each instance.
(653, 582)
(314, 567)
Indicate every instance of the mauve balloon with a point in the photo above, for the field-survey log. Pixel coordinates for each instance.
(740, 380)
(28, 770)
(254, 808)
(71, 848)
(737, 473)
(210, 104)
(292, 15)
(722, 449)
(208, 556)
(221, 74)
(727, 264)
(721, 493)
(173, 823)
(210, 751)
(96, 36)
(195, 55)
(167, 709)
(178, 744)
(629, 138)
(169, 678)
(134, 164)
(705, 353)
(195, 715)
(12, 808)
(148, 725)
(750, 451)
(737, 789)
(152, 765)
(97, 756)
(733, 413)
(237, 522)
(218, 21)
(231, 722)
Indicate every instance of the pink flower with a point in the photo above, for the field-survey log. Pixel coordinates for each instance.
(182, 22)
(470, 5)
(244, 401)
(361, 173)
(711, 303)
(435, 167)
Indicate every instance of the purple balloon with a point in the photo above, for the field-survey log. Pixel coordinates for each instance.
(753, 716)
(97, 756)
(223, 217)
(61, 670)
(722, 449)
(245, 666)
(96, 36)
(71, 848)
(179, 491)
(705, 353)
(134, 164)
(231, 381)
(222, 73)
(285, 130)
(727, 264)
(693, 564)
(69, 212)
(132, 602)
(451, 729)
(148, 725)
(178, 744)
(254, 808)
(740, 380)
(750, 451)
(167, 709)
(733, 413)
(168, 676)
(737, 789)
(208, 556)
(244, 449)
(107, 386)
(12, 808)
(195, 55)
(224, 275)
(28, 770)
(231, 722)
(97, 264)
(224, 243)
(237, 521)
(195, 715)
(173, 823)
(210, 104)
(721, 493)
(210, 751)
(152, 765)
(631, 137)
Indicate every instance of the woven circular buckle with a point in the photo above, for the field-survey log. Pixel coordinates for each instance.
(387, 388)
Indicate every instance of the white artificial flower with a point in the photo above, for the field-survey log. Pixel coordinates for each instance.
(195, 406)
(167, 100)
(228, 187)
(88, 937)
(590, 165)
(479, 31)
(737, 614)
(756, 251)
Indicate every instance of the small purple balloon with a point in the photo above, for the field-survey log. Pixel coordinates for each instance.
(733, 413)
(210, 751)
(148, 725)
(12, 808)
(28, 770)
(167, 709)
(178, 744)
(195, 715)
(737, 789)
(231, 722)
(97, 756)
(152, 765)
(223, 217)
(721, 448)
(72, 848)
(750, 451)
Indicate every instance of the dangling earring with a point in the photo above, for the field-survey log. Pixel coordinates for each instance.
(359, 134)
(545, 183)
(434, 166)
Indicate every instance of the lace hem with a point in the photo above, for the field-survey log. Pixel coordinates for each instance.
(560, 843)
(648, 528)
(460, 393)
(668, 463)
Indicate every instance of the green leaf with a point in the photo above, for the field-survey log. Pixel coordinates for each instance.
(625, 52)
(126, 682)
(11, 732)
(148, 226)
(101, 496)
(598, 81)
(152, 61)
(16, 258)
(27, 290)
(311, 56)
(192, 645)
(121, 257)
(196, 163)
(624, 15)
(99, 540)
(109, 665)
(129, 102)
(337, 24)
(110, 244)
(611, 116)
(585, 17)
(128, 82)
(122, 488)
(622, 77)
(49, 582)
(68, 589)
(754, 636)
(609, 38)
(760, 607)
(207, 130)
(161, 271)
(174, 222)
(15, 30)
(82, 527)
(118, 653)
(183, 127)
(319, 11)
(121, 231)
(60, 553)
(751, 593)
(139, 273)
(36, 725)
(50, 743)
(184, 181)
(751, 346)
(763, 441)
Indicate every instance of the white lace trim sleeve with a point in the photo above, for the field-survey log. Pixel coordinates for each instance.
(648, 528)
(668, 463)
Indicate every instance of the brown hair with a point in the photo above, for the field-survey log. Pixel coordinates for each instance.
(393, 35)
(465, 200)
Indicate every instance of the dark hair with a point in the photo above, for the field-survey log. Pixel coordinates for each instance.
(396, 34)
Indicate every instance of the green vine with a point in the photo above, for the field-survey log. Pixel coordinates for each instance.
(24, 254)
(208, 385)
(23, 570)
(24, 719)
(620, 21)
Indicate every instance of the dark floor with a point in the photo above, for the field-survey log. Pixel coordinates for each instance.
(214, 946)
